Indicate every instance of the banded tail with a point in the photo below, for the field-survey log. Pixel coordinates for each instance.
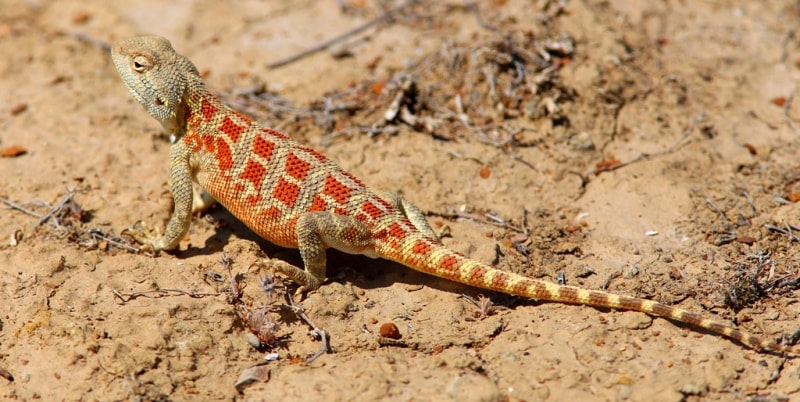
(427, 255)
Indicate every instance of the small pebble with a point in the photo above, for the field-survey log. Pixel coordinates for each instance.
(252, 375)
(389, 330)
(253, 340)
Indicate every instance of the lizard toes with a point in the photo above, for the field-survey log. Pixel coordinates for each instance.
(140, 234)
(306, 281)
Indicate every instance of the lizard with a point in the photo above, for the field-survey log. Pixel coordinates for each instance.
(295, 197)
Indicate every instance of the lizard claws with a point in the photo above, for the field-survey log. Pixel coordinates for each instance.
(296, 275)
(140, 234)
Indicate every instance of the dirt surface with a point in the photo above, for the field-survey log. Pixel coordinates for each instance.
(643, 147)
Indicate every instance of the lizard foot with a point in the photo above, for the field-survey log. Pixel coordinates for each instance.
(306, 281)
(144, 236)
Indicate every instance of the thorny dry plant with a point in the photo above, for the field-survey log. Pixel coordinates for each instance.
(262, 318)
(471, 91)
(261, 324)
(757, 275)
(257, 318)
(67, 220)
(65, 216)
(460, 91)
(485, 306)
(755, 279)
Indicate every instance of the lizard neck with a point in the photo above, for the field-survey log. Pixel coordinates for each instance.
(198, 106)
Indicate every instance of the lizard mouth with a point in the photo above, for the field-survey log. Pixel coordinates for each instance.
(159, 102)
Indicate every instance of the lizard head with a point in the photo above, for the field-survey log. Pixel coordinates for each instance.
(155, 75)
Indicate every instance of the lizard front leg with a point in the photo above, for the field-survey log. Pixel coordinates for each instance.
(180, 180)
(315, 232)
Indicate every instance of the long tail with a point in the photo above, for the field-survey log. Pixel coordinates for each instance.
(428, 255)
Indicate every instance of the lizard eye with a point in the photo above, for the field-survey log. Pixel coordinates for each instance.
(141, 63)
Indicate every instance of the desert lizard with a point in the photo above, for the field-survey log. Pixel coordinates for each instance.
(293, 196)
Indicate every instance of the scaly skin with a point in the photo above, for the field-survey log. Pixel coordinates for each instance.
(295, 197)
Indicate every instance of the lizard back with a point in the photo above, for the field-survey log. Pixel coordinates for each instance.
(262, 176)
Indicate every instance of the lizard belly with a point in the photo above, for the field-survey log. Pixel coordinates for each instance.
(266, 220)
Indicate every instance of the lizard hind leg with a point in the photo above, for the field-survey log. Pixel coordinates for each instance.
(201, 200)
(315, 232)
(410, 211)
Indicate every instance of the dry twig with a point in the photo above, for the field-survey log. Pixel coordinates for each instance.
(160, 293)
(645, 156)
(330, 42)
(787, 231)
(786, 106)
(316, 332)
(5, 374)
(490, 219)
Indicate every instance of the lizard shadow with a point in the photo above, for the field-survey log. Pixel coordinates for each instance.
(225, 226)
(362, 271)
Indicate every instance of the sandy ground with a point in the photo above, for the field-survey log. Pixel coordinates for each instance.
(697, 96)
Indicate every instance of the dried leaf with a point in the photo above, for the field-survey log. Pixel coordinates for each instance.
(749, 240)
(19, 108)
(81, 17)
(606, 165)
(793, 197)
(377, 87)
(12, 151)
